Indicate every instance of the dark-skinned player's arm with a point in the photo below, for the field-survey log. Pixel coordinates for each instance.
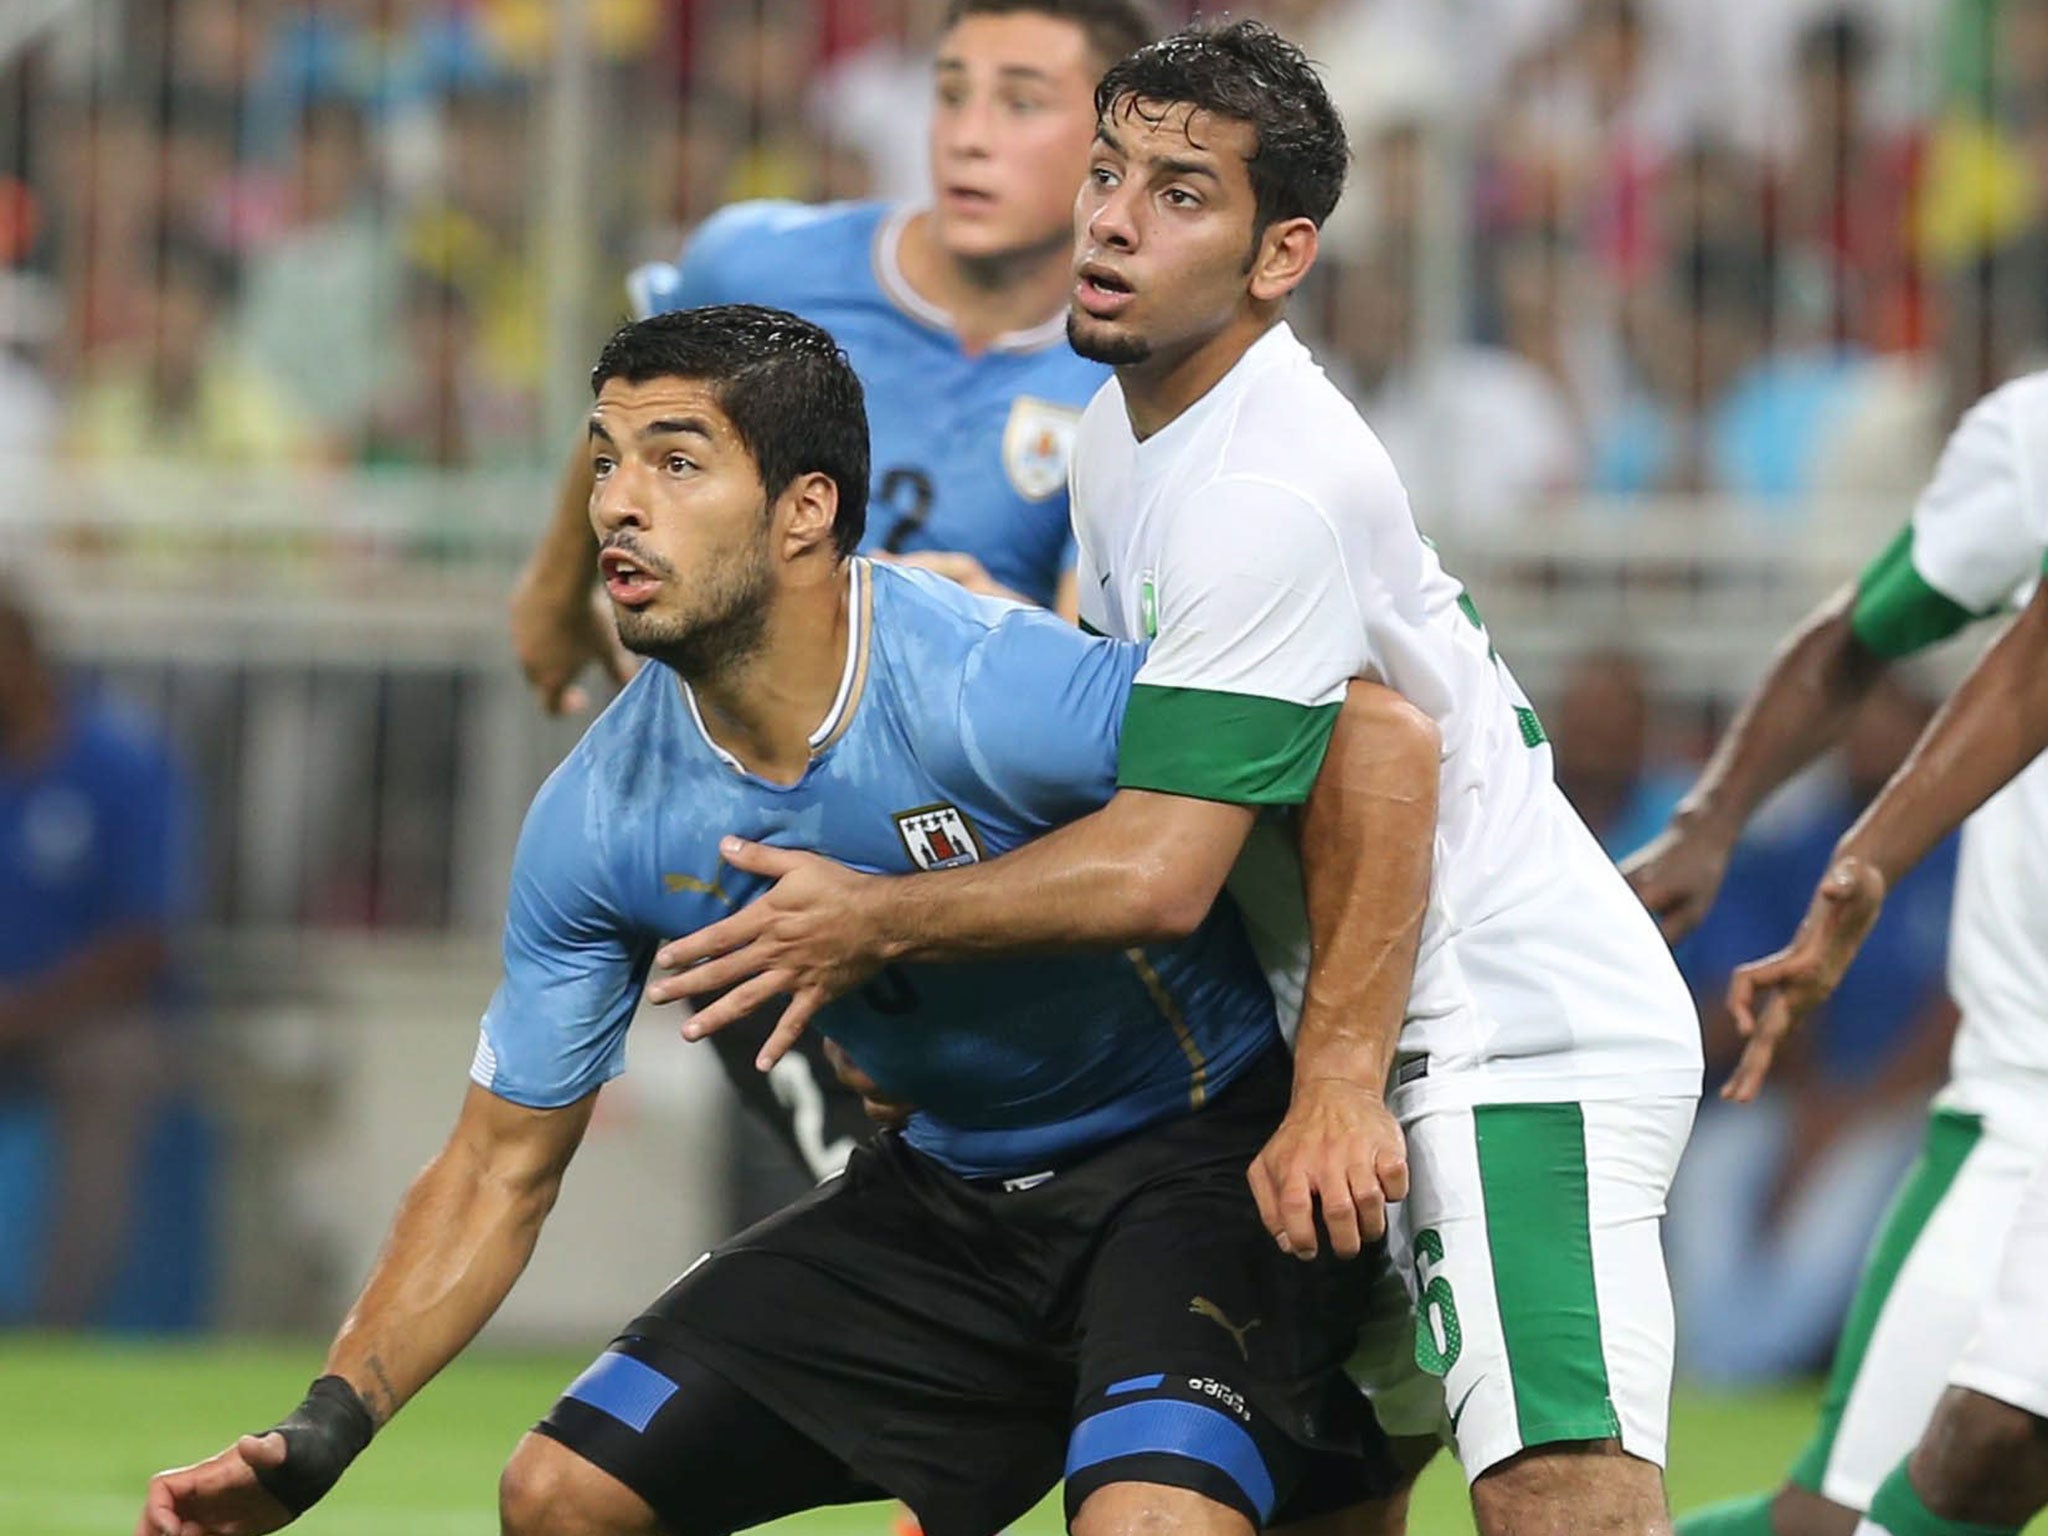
(560, 621)
(463, 1233)
(1993, 726)
(1804, 705)
(1368, 833)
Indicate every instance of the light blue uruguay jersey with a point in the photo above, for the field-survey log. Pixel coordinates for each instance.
(969, 451)
(964, 727)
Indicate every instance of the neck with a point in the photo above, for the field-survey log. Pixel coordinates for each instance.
(764, 707)
(1162, 386)
(987, 297)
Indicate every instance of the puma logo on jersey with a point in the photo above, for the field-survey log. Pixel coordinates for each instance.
(1202, 1306)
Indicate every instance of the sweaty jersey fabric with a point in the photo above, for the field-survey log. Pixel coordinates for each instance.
(969, 451)
(1264, 538)
(1976, 545)
(964, 727)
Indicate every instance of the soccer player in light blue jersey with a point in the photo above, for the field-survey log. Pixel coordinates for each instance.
(953, 315)
(1057, 1272)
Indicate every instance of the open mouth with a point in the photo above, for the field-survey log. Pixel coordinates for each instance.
(627, 581)
(969, 198)
(1099, 290)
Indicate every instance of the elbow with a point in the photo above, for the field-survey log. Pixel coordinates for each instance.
(1385, 725)
(1162, 906)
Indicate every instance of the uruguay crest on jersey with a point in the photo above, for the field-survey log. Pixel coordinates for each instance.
(938, 837)
(1038, 441)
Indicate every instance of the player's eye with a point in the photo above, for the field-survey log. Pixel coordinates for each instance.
(676, 464)
(1024, 106)
(1102, 175)
(600, 466)
(1181, 197)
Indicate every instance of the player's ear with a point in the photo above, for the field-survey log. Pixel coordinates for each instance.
(1286, 251)
(808, 505)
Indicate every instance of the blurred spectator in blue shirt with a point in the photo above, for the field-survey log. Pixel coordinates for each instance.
(1777, 1200)
(94, 824)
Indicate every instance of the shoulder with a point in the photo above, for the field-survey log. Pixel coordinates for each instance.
(762, 251)
(1295, 429)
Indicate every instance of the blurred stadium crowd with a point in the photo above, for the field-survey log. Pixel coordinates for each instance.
(1758, 252)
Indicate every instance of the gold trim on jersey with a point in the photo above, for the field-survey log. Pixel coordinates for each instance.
(1155, 987)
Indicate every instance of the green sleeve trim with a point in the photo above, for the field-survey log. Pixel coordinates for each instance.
(1897, 612)
(1239, 748)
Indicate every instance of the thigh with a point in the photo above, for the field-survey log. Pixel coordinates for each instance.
(1927, 1275)
(1209, 1361)
(880, 1319)
(705, 1456)
(1542, 1304)
(2007, 1354)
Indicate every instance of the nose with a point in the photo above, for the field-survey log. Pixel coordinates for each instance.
(1111, 222)
(968, 129)
(616, 502)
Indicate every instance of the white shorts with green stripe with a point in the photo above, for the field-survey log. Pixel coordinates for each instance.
(1543, 1310)
(1954, 1290)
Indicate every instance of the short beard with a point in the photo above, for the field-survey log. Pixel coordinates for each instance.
(707, 649)
(1109, 348)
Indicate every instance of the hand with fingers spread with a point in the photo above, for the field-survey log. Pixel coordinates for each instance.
(1339, 1150)
(1677, 875)
(1771, 996)
(220, 1496)
(808, 938)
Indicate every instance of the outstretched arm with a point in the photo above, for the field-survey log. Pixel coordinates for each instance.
(1803, 706)
(1367, 835)
(558, 627)
(463, 1233)
(1995, 725)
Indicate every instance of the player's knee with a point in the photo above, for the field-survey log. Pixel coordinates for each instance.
(546, 1489)
(1585, 1487)
(1153, 1509)
(1979, 1453)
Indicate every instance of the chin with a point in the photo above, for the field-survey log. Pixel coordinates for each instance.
(1102, 341)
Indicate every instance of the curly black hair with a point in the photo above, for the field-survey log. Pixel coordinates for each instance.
(1246, 71)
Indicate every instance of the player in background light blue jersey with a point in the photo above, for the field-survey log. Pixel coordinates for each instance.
(953, 316)
(1058, 1273)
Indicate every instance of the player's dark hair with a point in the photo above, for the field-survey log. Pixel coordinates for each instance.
(783, 383)
(1247, 71)
(1114, 28)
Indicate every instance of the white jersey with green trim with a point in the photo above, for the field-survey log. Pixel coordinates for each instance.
(1263, 540)
(1976, 546)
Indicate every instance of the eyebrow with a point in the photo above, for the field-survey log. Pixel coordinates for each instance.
(1005, 71)
(667, 426)
(1171, 166)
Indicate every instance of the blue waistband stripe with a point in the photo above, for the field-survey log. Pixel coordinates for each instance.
(1133, 1384)
(1164, 1426)
(630, 1390)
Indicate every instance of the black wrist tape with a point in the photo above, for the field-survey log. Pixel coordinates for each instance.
(321, 1437)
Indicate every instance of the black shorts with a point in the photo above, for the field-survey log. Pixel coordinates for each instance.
(963, 1344)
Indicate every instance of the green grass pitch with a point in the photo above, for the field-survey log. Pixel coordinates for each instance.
(82, 1425)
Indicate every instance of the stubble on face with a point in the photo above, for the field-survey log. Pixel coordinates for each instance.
(1103, 343)
(729, 623)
